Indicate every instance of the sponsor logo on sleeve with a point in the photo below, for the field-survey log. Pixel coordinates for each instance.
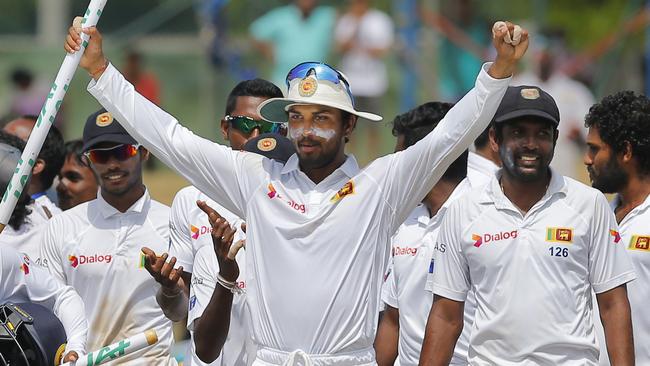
(78, 260)
(616, 235)
(640, 242)
(479, 239)
(24, 267)
(347, 190)
(559, 235)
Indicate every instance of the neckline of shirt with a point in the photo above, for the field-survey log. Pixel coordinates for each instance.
(107, 210)
(350, 167)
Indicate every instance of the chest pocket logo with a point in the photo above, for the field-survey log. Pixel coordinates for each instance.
(347, 190)
(640, 242)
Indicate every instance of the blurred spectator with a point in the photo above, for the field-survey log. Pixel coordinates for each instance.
(459, 66)
(145, 82)
(364, 36)
(46, 168)
(292, 34)
(77, 183)
(573, 100)
(28, 96)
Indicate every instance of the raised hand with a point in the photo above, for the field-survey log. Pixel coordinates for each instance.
(163, 272)
(93, 59)
(222, 237)
(509, 51)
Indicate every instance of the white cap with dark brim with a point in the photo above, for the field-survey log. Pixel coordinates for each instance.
(311, 91)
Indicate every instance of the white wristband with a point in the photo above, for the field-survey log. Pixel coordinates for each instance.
(232, 286)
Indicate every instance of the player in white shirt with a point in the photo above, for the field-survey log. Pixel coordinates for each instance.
(533, 245)
(483, 163)
(618, 161)
(401, 328)
(95, 247)
(310, 220)
(47, 166)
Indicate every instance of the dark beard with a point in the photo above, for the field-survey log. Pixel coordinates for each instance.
(611, 179)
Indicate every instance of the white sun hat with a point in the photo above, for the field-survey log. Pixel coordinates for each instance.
(313, 83)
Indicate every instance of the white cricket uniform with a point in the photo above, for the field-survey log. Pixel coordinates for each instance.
(20, 282)
(26, 240)
(533, 274)
(189, 233)
(238, 349)
(97, 250)
(310, 294)
(480, 170)
(189, 228)
(407, 286)
(635, 236)
(43, 209)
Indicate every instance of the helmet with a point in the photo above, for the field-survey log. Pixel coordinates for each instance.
(30, 335)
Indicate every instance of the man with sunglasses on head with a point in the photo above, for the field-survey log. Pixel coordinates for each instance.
(319, 227)
(190, 230)
(95, 246)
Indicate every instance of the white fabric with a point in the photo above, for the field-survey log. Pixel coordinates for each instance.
(97, 250)
(533, 303)
(42, 205)
(635, 231)
(189, 228)
(21, 281)
(306, 285)
(238, 349)
(480, 170)
(374, 30)
(407, 287)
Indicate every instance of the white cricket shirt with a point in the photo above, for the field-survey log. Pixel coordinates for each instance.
(97, 250)
(635, 236)
(189, 228)
(43, 209)
(21, 281)
(480, 170)
(407, 286)
(316, 253)
(533, 274)
(238, 349)
(26, 240)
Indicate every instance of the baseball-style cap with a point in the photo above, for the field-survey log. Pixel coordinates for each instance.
(271, 145)
(313, 83)
(102, 127)
(524, 101)
(9, 157)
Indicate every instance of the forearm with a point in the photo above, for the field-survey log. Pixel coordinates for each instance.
(69, 308)
(617, 323)
(173, 303)
(211, 329)
(386, 342)
(439, 340)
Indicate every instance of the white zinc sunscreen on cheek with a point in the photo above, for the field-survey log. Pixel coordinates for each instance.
(326, 134)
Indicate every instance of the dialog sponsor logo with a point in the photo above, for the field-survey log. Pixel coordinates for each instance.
(76, 261)
(198, 231)
(616, 235)
(486, 238)
(397, 251)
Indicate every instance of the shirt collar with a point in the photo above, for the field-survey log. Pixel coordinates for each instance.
(481, 163)
(107, 210)
(350, 167)
(638, 209)
(494, 194)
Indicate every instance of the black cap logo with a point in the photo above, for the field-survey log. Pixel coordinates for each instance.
(104, 119)
(530, 94)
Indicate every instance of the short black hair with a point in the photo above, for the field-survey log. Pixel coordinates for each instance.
(415, 124)
(52, 153)
(252, 88)
(623, 118)
(19, 215)
(482, 139)
(74, 148)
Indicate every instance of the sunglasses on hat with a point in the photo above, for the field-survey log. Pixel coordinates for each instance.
(247, 125)
(120, 152)
(321, 71)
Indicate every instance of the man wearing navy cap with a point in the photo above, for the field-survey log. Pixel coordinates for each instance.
(95, 247)
(532, 245)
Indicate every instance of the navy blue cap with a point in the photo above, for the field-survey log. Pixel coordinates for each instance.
(527, 101)
(271, 145)
(102, 127)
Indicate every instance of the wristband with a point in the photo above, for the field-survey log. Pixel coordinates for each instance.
(100, 70)
(229, 285)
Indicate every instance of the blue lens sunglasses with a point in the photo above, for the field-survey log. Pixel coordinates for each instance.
(321, 71)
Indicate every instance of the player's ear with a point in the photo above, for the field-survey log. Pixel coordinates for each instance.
(494, 143)
(38, 167)
(144, 154)
(225, 126)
